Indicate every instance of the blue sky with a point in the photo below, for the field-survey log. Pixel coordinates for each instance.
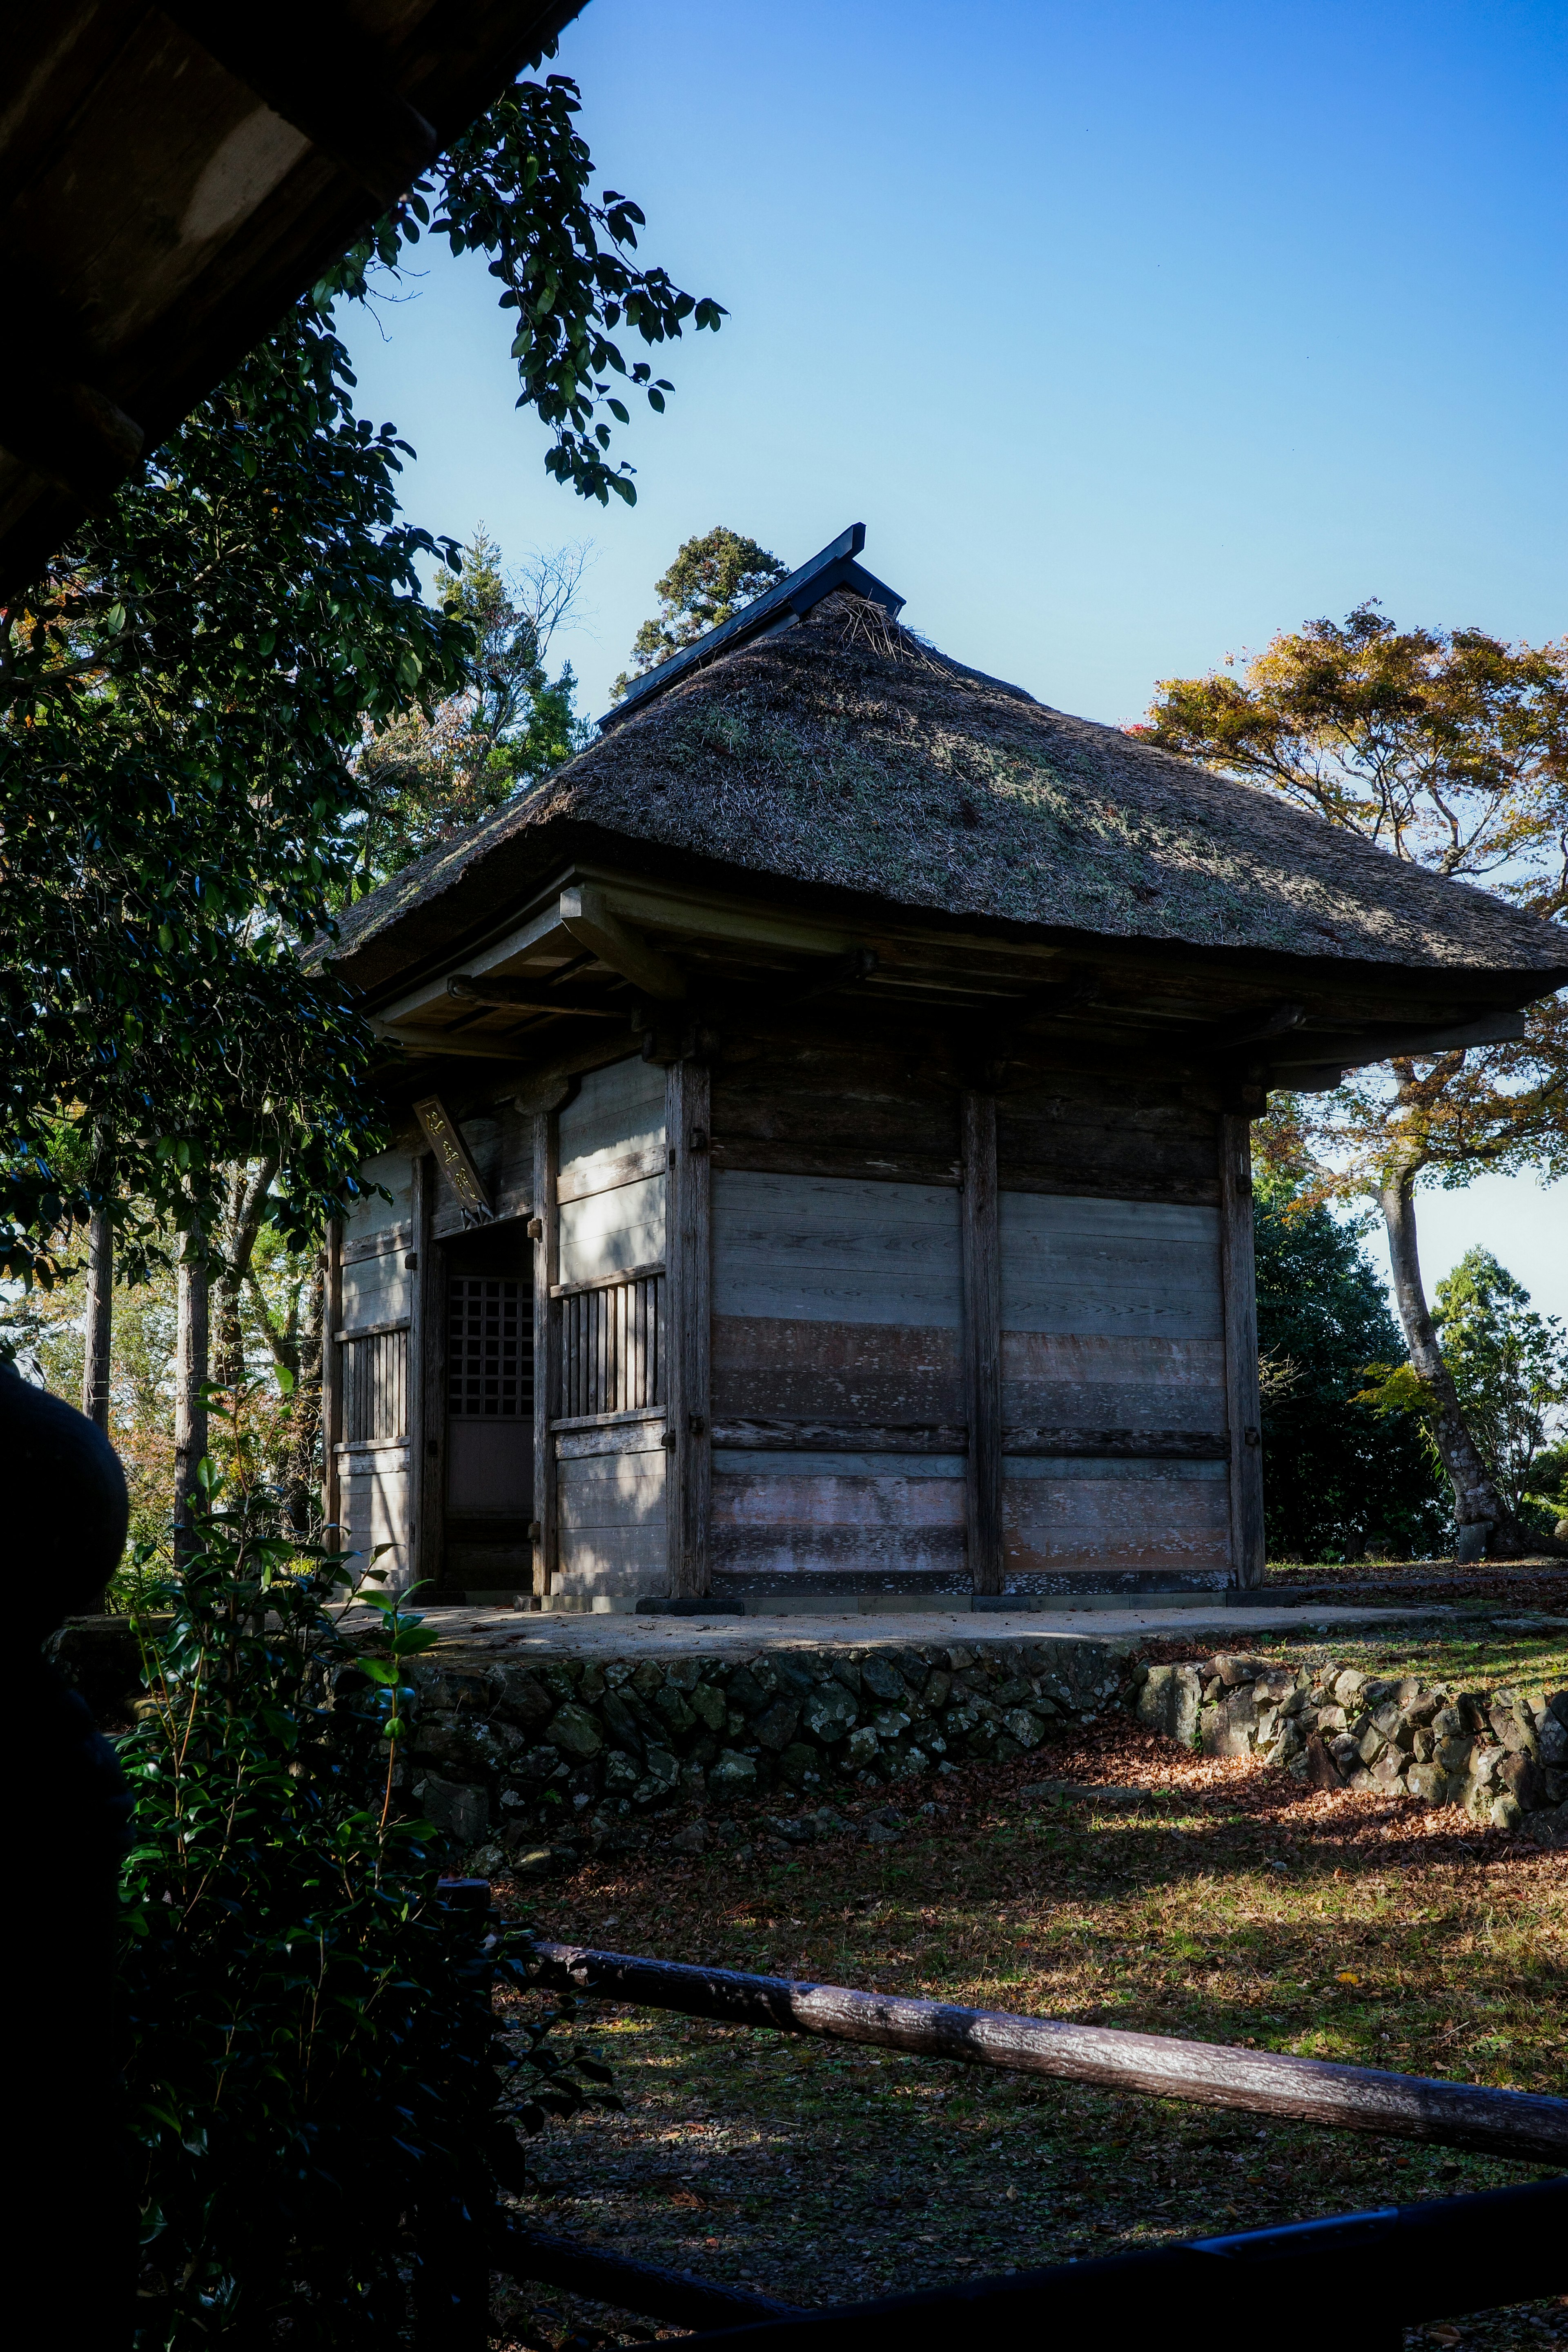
(1131, 334)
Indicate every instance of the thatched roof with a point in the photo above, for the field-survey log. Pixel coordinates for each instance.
(846, 754)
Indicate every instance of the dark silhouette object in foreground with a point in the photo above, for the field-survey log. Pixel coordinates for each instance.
(65, 1518)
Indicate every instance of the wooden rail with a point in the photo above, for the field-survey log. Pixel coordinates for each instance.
(1519, 2123)
(630, 2285)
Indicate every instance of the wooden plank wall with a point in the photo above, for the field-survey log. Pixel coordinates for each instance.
(688, 1353)
(609, 1456)
(1245, 1413)
(835, 1301)
(1117, 1138)
(371, 1375)
(845, 1241)
(1112, 1335)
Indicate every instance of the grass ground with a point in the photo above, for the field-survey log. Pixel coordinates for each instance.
(1467, 1649)
(1218, 1900)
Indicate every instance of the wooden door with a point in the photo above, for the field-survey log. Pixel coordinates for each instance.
(488, 1355)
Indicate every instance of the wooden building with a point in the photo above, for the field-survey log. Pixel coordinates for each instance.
(823, 1164)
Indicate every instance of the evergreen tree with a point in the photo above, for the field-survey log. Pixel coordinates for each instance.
(712, 579)
(1510, 1366)
(1340, 1476)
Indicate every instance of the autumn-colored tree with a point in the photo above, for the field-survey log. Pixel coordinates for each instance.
(1449, 748)
(711, 578)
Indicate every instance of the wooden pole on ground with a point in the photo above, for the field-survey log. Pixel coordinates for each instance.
(1519, 2123)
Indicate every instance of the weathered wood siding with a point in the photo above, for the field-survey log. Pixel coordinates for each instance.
(1112, 1331)
(610, 1498)
(375, 1292)
(835, 1300)
(831, 1105)
(1117, 1139)
(606, 1420)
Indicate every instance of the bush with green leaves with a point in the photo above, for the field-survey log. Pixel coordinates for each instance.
(1510, 1365)
(1341, 1475)
(317, 2078)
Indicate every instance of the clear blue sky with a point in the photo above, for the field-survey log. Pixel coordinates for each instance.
(1131, 334)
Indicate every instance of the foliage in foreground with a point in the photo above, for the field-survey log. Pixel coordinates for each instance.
(183, 697)
(316, 2077)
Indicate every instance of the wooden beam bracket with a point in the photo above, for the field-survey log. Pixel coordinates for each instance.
(587, 914)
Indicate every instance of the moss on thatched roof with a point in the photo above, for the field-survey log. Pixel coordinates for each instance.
(846, 754)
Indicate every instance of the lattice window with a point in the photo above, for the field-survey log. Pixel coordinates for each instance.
(489, 1348)
(612, 1347)
(375, 1387)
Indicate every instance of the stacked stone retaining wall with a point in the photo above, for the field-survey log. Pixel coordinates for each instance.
(1502, 1755)
(503, 1750)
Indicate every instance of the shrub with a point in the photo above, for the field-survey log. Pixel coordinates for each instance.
(318, 2084)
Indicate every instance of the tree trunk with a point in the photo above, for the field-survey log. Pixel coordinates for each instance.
(304, 1440)
(229, 1337)
(1477, 1502)
(100, 1318)
(190, 1374)
(247, 1205)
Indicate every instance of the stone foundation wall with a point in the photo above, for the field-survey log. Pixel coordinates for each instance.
(1503, 1755)
(506, 1751)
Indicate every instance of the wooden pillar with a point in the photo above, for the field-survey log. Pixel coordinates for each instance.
(332, 1387)
(982, 1265)
(688, 1288)
(100, 1318)
(544, 1228)
(426, 1385)
(1243, 1409)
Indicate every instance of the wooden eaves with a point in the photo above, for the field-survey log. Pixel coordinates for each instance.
(172, 178)
(623, 958)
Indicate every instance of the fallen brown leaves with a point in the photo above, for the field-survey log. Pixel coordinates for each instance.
(1219, 1902)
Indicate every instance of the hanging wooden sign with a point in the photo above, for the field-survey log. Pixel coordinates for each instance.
(452, 1155)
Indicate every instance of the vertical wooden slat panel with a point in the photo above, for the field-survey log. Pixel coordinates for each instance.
(547, 1373)
(689, 1327)
(1243, 1403)
(428, 1384)
(981, 1252)
(332, 1381)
